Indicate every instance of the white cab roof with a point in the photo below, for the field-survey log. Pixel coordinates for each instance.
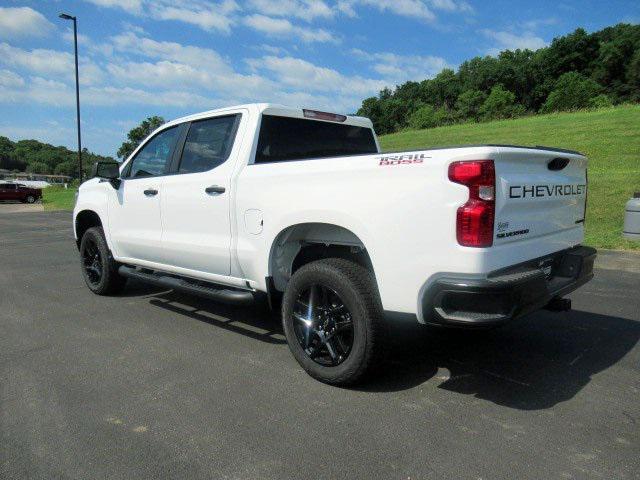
(267, 108)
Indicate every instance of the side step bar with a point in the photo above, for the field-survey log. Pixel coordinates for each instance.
(211, 291)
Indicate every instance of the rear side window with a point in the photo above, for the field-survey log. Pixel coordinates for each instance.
(208, 144)
(286, 138)
(155, 156)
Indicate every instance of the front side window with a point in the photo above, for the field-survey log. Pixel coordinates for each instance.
(155, 156)
(287, 138)
(208, 144)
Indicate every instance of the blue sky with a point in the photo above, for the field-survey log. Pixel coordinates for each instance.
(173, 57)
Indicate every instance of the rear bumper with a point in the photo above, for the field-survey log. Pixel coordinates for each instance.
(504, 295)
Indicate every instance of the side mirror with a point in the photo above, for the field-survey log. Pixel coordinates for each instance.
(109, 171)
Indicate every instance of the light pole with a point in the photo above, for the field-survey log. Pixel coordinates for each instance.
(65, 16)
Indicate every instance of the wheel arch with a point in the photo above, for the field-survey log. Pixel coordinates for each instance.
(301, 243)
(85, 219)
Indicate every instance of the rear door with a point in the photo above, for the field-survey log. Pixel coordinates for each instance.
(540, 194)
(196, 198)
(134, 209)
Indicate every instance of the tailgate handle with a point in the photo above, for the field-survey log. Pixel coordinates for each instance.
(558, 164)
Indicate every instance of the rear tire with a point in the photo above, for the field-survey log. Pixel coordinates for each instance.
(99, 270)
(31, 199)
(351, 313)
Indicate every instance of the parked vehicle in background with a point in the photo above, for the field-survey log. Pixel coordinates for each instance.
(19, 192)
(302, 207)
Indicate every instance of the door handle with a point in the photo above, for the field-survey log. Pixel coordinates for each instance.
(150, 192)
(215, 189)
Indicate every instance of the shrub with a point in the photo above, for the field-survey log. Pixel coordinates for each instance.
(428, 117)
(600, 101)
(469, 103)
(499, 104)
(572, 91)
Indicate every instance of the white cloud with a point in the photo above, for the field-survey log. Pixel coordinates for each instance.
(130, 6)
(271, 49)
(400, 68)
(39, 60)
(10, 79)
(512, 41)
(49, 62)
(416, 9)
(536, 23)
(58, 94)
(407, 8)
(304, 75)
(280, 27)
(23, 22)
(305, 9)
(204, 14)
(346, 7)
(451, 6)
(214, 17)
(130, 43)
(180, 66)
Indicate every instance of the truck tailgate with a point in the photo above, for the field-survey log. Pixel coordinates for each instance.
(538, 193)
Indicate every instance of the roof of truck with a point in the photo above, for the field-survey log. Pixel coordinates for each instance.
(272, 109)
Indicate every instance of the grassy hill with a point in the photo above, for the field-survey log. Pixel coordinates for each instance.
(609, 137)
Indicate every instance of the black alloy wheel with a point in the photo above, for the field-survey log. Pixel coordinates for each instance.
(92, 262)
(323, 325)
(333, 320)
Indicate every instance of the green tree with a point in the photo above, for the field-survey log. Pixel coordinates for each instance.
(38, 167)
(428, 117)
(66, 168)
(6, 154)
(469, 103)
(499, 104)
(633, 76)
(609, 57)
(572, 91)
(442, 90)
(137, 134)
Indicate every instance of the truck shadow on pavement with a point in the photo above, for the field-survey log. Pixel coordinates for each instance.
(253, 321)
(531, 364)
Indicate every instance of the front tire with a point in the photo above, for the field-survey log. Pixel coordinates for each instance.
(333, 320)
(31, 199)
(99, 270)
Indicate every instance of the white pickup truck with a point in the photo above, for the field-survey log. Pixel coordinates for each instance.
(302, 207)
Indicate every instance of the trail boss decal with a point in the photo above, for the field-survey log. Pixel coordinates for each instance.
(535, 191)
(406, 159)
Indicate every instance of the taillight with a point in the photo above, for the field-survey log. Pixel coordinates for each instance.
(474, 223)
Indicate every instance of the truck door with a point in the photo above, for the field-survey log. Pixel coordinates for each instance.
(196, 225)
(134, 209)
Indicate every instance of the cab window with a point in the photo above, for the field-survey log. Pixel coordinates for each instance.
(287, 138)
(155, 156)
(208, 144)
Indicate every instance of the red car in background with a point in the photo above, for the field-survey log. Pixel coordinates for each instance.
(19, 192)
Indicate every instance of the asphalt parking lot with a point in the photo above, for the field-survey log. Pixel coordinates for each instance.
(152, 384)
(17, 207)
